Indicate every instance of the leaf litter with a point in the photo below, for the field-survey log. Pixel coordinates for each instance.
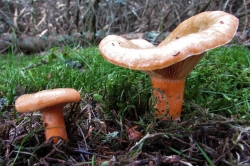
(202, 138)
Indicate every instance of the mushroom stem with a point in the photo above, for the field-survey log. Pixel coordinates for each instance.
(54, 122)
(169, 95)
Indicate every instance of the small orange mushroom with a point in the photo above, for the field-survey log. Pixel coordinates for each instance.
(50, 103)
(169, 63)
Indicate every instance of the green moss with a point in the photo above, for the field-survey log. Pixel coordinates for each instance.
(221, 82)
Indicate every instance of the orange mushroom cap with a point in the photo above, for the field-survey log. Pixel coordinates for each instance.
(46, 98)
(193, 36)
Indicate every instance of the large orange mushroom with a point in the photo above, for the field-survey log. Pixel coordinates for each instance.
(50, 103)
(169, 63)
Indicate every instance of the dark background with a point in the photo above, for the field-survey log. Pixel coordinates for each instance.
(31, 26)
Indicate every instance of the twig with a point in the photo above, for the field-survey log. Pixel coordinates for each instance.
(174, 21)
(83, 136)
(163, 159)
(246, 17)
(175, 11)
(147, 136)
(225, 5)
(43, 61)
(146, 6)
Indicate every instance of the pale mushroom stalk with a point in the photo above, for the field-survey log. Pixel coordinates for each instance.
(169, 63)
(50, 103)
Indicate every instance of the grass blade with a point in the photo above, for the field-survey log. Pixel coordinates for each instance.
(23, 141)
(205, 155)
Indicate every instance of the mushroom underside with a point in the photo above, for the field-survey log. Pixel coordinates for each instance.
(177, 71)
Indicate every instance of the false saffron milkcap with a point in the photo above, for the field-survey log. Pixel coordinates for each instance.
(169, 63)
(51, 104)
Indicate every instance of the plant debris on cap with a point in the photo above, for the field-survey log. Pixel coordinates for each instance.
(194, 36)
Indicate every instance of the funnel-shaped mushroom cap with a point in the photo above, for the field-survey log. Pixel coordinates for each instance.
(46, 98)
(194, 36)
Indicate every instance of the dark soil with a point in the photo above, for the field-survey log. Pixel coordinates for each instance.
(106, 139)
